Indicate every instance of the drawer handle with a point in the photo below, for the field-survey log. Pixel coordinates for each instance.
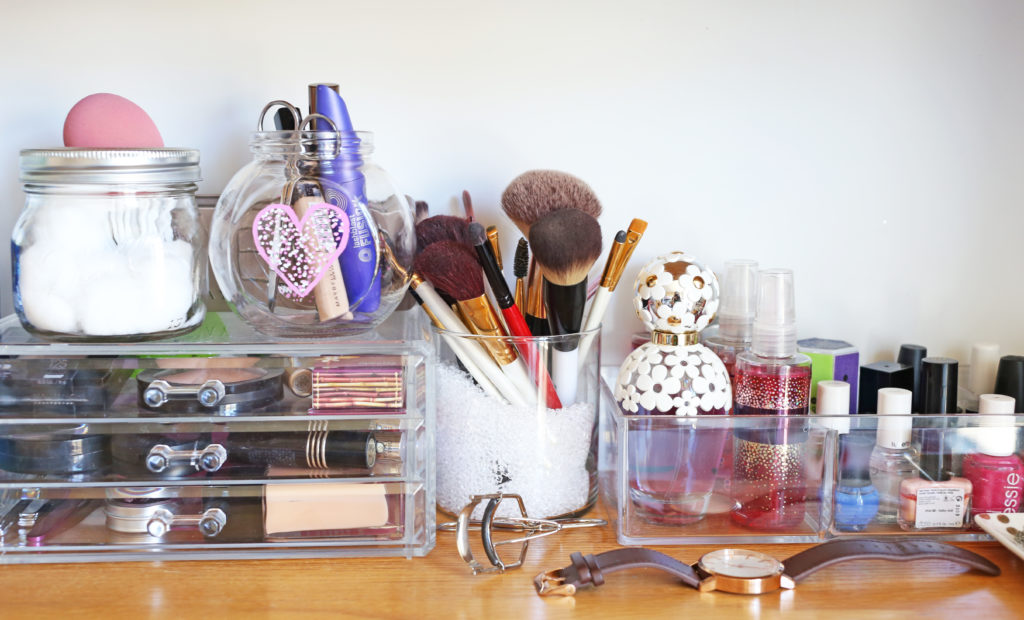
(210, 523)
(208, 394)
(209, 459)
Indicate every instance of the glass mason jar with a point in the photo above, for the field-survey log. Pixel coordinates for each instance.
(333, 240)
(495, 432)
(109, 245)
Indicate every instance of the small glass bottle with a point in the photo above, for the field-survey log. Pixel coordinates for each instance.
(772, 379)
(671, 380)
(893, 458)
(736, 314)
(995, 470)
(855, 499)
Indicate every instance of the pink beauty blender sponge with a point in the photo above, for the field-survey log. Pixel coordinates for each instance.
(107, 121)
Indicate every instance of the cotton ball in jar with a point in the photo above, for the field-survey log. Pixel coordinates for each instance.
(48, 286)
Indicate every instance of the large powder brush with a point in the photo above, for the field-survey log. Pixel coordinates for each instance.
(535, 193)
(529, 197)
(566, 243)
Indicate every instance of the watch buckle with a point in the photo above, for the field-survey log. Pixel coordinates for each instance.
(552, 583)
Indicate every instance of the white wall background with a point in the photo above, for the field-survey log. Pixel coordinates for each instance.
(875, 147)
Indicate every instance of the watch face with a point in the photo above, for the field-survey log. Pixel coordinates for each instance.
(740, 563)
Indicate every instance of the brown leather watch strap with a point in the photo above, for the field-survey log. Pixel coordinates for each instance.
(826, 554)
(590, 569)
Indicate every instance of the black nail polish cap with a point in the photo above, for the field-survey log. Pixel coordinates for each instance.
(1010, 379)
(878, 375)
(911, 355)
(938, 385)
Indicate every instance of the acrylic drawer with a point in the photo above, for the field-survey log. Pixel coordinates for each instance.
(215, 445)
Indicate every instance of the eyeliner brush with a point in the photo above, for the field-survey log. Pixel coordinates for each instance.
(509, 310)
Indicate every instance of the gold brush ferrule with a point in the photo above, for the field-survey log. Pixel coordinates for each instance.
(620, 254)
(415, 280)
(484, 321)
(520, 297)
(492, 236)
(535, 293)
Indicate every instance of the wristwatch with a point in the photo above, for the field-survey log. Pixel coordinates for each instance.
(747, 572)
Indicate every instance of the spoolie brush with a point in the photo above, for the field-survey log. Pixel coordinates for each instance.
(520, 265)
(453, 268)
(565, 243)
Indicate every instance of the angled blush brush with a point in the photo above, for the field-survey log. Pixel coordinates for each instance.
(440, 228)
(565, 243)
(509, 310)
(453, 268)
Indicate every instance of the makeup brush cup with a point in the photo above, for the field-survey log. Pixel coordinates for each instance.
(486, 444)
(311, 238)
(109, 246)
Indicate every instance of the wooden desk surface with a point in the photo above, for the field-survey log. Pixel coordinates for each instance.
(440, 585)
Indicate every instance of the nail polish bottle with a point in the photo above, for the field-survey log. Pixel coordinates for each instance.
(1010, 379)
(772, 379)
(735, 313)
(856, 500)
(878, 375)
(934, 504)
(981, 375)
(893, 458)
(911, 355)
(995, 470)
(938, 396)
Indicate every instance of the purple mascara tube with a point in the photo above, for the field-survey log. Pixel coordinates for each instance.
(347, 190)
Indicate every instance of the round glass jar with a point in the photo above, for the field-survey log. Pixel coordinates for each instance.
(333, 240)
(109, 245)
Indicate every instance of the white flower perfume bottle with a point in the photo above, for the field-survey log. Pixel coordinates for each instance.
(673, 460)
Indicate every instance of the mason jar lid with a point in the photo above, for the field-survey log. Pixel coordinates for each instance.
(72, 165)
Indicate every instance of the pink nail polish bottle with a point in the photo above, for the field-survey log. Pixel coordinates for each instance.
(995, 470)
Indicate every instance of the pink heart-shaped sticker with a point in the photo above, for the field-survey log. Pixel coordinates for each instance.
(300, 251)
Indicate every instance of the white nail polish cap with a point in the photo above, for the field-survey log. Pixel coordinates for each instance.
(834, 400)
(894, 421)
(996, 437)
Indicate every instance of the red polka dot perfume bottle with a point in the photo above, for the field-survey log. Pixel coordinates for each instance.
(771, 379)
(671, 381)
